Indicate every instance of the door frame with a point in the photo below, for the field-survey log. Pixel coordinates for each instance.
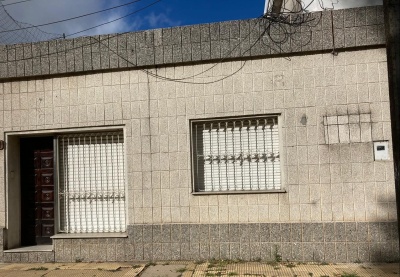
(12, 235)
(13, 238)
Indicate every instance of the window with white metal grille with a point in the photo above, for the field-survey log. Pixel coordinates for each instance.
(236, 154)
(91, 182)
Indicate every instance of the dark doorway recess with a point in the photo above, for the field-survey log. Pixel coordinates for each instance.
(37, 190)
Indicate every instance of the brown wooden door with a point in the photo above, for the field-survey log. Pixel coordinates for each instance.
(37, 191)
(44, 195)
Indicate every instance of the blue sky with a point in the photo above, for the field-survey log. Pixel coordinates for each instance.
(166, 13)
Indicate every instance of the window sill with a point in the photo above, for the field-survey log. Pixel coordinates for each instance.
(90, 235)
(239, 192)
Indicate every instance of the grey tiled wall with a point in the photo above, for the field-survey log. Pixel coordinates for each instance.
(351, 27)
(332, 242)
(29, 257)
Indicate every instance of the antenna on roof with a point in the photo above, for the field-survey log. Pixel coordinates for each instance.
(282, 6)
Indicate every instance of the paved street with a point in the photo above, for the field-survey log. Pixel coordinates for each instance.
(210, 268)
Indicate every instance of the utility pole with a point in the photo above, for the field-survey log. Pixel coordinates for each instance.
(392, 26)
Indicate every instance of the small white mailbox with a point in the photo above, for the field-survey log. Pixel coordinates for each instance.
(381, 150)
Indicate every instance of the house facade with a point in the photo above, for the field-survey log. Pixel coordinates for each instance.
(200, 142)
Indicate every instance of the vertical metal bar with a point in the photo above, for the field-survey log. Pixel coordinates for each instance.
(211, 158)
(112, 194)
(117, 192)
(219, 156)
(90, 183)
(96, 188)
(85, 177)
(234, 154)
(106, 191)
(257, 154)
(265, 154)
(273, 152)
(226, 156)
(101, 192)
(116, 215)
(79, 185)
(241, 153)
(196, 175)
(67, 188)
(122, 183)
(249, 154)
(110, 179)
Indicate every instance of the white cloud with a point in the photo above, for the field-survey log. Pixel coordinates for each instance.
(160, 20)
(317, 5)
(42, 11)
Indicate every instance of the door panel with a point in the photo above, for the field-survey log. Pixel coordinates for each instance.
(44, 194)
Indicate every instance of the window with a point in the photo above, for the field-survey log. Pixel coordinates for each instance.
(236, 154)
(91, 182)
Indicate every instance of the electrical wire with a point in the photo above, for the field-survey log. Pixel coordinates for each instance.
(181, 80)
(33, 34)
(272, 24)
(111, 21)
(15, 47)
(222, 59)
(298, 21)
(282, 27)
(73, 18)
(14, 3)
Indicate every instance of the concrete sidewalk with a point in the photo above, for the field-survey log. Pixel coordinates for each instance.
(210, 268)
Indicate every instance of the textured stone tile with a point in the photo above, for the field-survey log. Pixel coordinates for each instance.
(147, 252)
(340, 231)
(351, 231)
(166, 249)
(175, 233)
(147, 233)
(176, 251)
(234, 232)
(157, 251)
(245, 252)
(284, 250)
(341, 252)
(7, 257)
(329, 251)
(139, 251)
(363, 252)
(234, 251)
(329, 232)
(275, 233)
(204, 233)
(195, 233)
(265, 232)
(185, 233)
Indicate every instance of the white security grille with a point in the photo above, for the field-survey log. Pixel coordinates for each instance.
(236, 154)
(92, 182)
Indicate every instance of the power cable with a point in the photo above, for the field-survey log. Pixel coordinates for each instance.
(181, 80)
(73, 18)
(111, 21)
(297, 21)
(14, 3)
(15, 47)
(7, 22)
(271, 21)
(222, 59)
